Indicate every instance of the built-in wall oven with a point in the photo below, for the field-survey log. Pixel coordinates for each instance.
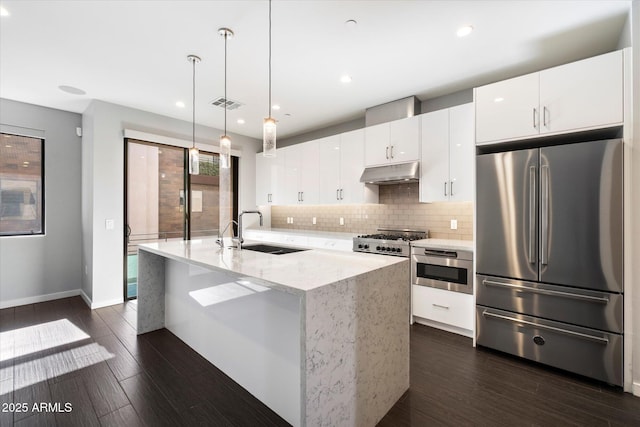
(444, 269)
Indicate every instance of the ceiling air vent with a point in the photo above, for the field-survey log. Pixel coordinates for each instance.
(223, 102)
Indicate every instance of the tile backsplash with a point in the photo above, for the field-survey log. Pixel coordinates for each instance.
(398, 208)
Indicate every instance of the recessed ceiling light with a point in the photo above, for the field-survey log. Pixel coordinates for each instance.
(275, 106)
(464, 31)
(3, 11)
(72, 90)
(180, 104)
(26, 163)
(8, 146)
(240, 121)
(498, 99)
(346, 78)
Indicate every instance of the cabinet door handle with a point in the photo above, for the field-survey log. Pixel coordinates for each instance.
(545, 110)
(298, 196)
(341, 195)
(445, 188)
(451, 187)
(337, 194)
(387, 152)
(440, 306)
(392, 151)
(535, 118)
(302, 196)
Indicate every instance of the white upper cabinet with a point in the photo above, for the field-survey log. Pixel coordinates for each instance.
(301, 174)
(448, 153)
(269, 176)
(393, 142)
(341, 165)
(581, 95)
(462, 153)
(404, 140)
(330, 163)
(507, 109)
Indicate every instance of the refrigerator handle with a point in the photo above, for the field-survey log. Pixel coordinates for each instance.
(532, 215)
(544, 214)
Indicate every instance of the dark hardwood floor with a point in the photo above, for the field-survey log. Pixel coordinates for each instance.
(63, 364)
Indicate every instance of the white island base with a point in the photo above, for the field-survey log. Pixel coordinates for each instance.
(316, 353)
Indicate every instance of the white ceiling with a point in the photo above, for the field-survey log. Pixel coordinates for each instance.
(133, 53)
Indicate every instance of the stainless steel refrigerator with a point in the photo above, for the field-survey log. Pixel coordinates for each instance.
(549, 269)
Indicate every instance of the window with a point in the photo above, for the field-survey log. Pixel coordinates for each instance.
(164, 202)
(21, 185)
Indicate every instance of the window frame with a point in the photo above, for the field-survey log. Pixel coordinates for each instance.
(42, 198)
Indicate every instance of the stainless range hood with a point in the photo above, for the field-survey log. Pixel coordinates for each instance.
(391, 174)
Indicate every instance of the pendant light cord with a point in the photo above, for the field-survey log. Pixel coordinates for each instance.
(193, 105)
(269, 58)
(226, 101)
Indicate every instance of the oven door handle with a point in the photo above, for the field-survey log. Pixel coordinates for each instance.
(443, 254)
(521, 288)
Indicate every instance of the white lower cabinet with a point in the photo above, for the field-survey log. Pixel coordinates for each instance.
(451, 311)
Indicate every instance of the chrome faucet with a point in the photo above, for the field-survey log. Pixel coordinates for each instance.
(220, 238)
(239, 240)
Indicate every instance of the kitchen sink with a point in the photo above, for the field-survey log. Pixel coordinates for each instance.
(270, 249)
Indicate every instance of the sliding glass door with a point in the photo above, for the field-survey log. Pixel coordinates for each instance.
(163, 202)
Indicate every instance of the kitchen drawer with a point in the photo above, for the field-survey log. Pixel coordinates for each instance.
(584, 351)
(592, 309)
(451, 308)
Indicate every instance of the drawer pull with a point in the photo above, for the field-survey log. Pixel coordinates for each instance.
(520, 288)
(440, 306)
(520, 322)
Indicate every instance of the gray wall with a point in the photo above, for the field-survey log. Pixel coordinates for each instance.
(103, 187)
(36, 268)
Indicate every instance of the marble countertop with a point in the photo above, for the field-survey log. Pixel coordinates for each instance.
(444, 244)
(297, 272)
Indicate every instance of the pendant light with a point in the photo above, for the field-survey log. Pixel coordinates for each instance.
(225, 141)
(269, 124)
(194, 154)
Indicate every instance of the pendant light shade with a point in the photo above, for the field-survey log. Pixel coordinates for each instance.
(225, 152)
(269, 124)
(269, 137)
(225, 141)
(194, 154)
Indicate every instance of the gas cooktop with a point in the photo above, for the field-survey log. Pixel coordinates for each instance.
(388, 241)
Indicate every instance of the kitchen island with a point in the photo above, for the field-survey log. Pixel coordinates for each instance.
(319, 336)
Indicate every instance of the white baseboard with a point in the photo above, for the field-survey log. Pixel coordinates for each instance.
(58, 295)
(635, 389)
(93, 305)
(86, 298)
(39, 298)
